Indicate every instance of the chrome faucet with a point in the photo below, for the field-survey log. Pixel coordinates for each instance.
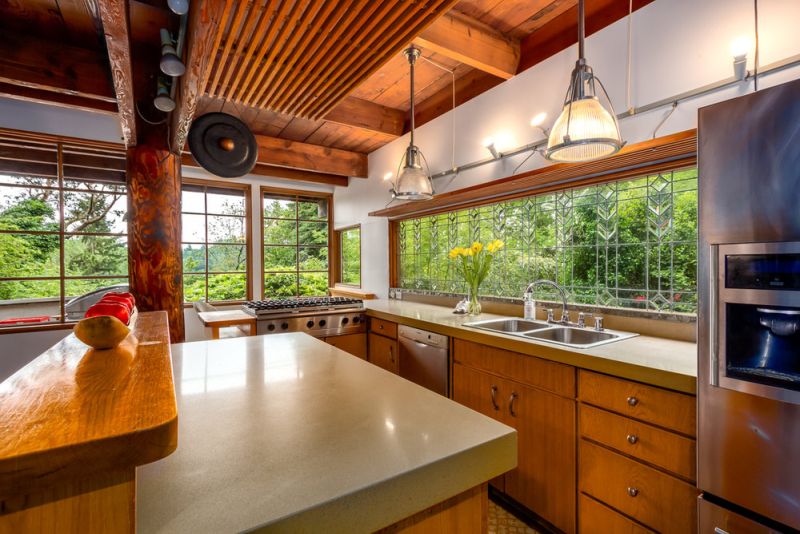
(564, 311)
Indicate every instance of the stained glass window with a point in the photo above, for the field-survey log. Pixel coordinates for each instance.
(631, 244)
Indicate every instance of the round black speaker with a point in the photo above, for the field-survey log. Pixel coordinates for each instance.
(223, 145)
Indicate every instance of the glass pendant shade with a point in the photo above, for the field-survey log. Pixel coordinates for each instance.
(412, 181)
(584, 131)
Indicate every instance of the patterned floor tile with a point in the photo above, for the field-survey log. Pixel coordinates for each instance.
(503, 522)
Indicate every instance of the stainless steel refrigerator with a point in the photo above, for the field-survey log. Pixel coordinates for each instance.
(749, 313)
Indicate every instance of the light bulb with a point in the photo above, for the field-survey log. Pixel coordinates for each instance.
(387, 176)
(740, 46)
(179, 7)
(538, 119)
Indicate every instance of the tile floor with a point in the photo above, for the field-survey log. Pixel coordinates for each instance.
(503, 522)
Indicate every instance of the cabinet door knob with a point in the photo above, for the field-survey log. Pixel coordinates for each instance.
(494, 398)
(633, 492)
(632, 438)
(633, 401)
(511, 403)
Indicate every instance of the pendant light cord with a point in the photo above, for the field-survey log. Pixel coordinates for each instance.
(630, 56)
(581, 28)
(755, 66)
(411, 61)
(452, 73)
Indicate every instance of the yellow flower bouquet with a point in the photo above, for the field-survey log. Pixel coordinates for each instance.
(473, 264)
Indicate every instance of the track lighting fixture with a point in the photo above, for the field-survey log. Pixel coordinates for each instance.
(179, 7)
(171, 64)
(488, 144)
(162, 101)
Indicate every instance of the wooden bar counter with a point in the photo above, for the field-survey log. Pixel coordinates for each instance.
(75, 423)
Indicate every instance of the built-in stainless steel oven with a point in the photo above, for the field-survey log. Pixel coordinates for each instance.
(756, 320)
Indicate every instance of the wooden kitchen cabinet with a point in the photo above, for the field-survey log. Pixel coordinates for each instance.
(355, 344)
(383, 352)
(544, 479)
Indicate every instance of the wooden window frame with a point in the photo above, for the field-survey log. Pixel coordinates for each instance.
(248, 221)
(59, 141)
(333, 251)
(663, 154)
(339, 269)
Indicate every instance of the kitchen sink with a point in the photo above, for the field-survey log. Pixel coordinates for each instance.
(509, 326)
(576, 337)
(569, 336)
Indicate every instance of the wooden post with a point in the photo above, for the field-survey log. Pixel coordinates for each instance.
(154, 233)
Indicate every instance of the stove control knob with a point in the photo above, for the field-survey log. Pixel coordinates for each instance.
(356, 320)
(345, 321)
(271, 327)
(285, 326)
(310, 324)
(322, 323)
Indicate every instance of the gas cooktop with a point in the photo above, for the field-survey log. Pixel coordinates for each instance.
(269, 307)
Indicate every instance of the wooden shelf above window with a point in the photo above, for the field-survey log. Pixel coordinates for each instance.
(665, 153)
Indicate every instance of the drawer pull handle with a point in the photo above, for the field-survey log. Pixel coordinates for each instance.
(632, 439)
(633, 492)
(494, 398)
(511, 403)
(633, 401)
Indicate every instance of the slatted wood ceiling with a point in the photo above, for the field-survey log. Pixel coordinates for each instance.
(302, 57)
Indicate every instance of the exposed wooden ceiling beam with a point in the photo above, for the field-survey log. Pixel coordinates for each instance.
(45, 65)
(473, 43)
(40, 96)
(203, 38)
(368, 115)
(116, 28)
(562, 32)
(304, 156)
(272, 171)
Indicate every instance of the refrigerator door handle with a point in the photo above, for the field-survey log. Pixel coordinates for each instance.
(713, 302)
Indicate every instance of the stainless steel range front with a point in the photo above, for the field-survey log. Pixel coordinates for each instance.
(317, 316)
(749, 313)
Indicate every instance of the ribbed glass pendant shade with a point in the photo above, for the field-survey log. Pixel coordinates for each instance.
(584, 131)
(412, 181)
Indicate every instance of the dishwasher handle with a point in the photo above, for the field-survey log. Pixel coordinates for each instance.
(431, 339)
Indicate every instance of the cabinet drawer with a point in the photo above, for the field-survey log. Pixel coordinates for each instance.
(653, 498)
(665, 449)
(552, 376)
(383, 352)
(661, 407)
(597, 518)
(384, 328)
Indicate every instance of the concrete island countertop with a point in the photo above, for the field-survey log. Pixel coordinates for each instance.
(287, 433)
(657, 361)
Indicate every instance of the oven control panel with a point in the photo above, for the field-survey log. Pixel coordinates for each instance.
(322, 325)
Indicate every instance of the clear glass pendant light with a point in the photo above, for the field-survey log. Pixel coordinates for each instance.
(413, 181)
(586, 128)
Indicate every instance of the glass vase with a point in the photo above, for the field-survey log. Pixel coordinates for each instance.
(473, 304)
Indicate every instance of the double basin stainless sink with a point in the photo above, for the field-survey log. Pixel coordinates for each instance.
(560, 334)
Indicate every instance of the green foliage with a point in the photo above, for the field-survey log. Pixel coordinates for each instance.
(351, 256)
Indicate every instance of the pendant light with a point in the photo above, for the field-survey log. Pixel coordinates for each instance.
(586, 129)
(413, 182)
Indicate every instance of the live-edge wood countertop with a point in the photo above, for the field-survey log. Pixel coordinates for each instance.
(656, 361)
(74, 411)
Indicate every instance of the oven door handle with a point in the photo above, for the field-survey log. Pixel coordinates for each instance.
(713, 316)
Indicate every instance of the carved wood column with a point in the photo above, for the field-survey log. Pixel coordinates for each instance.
(154, 233)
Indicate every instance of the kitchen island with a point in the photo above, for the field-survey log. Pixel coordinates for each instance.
(286, 433)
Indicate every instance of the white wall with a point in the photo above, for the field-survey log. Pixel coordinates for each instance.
(678, 45)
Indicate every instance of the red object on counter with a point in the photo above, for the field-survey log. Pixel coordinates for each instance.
(26, 320)
(121, 295)
(114, 309)
(109, 297)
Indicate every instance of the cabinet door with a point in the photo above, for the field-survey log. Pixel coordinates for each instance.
(355, 344)
(544, 480)
(482, 392)
(383, 352)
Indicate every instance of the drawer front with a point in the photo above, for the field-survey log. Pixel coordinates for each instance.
(653, 498)
(384, 328)
(552, 376)
(714, 518)
(597, 518)
(660, 407)
(383, 352)
(665, 449)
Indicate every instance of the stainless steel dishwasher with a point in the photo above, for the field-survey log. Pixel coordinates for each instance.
(424, 358)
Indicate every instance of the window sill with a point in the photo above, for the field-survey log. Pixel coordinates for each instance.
(19, 329)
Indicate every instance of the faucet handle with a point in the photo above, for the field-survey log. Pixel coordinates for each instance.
(550, 316)
(565, 316)
(598, 324)
(582, 319)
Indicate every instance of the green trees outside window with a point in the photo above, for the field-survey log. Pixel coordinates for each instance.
(350, 255)
(631, 243)
(62, 225)
(296, 243)
(215, 225)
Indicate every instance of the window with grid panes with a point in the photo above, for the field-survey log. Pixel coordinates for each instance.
(296, 234)
(215, 244)
(630, 243)
(63, 228)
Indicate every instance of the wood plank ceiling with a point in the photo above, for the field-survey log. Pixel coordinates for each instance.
(302, 74)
